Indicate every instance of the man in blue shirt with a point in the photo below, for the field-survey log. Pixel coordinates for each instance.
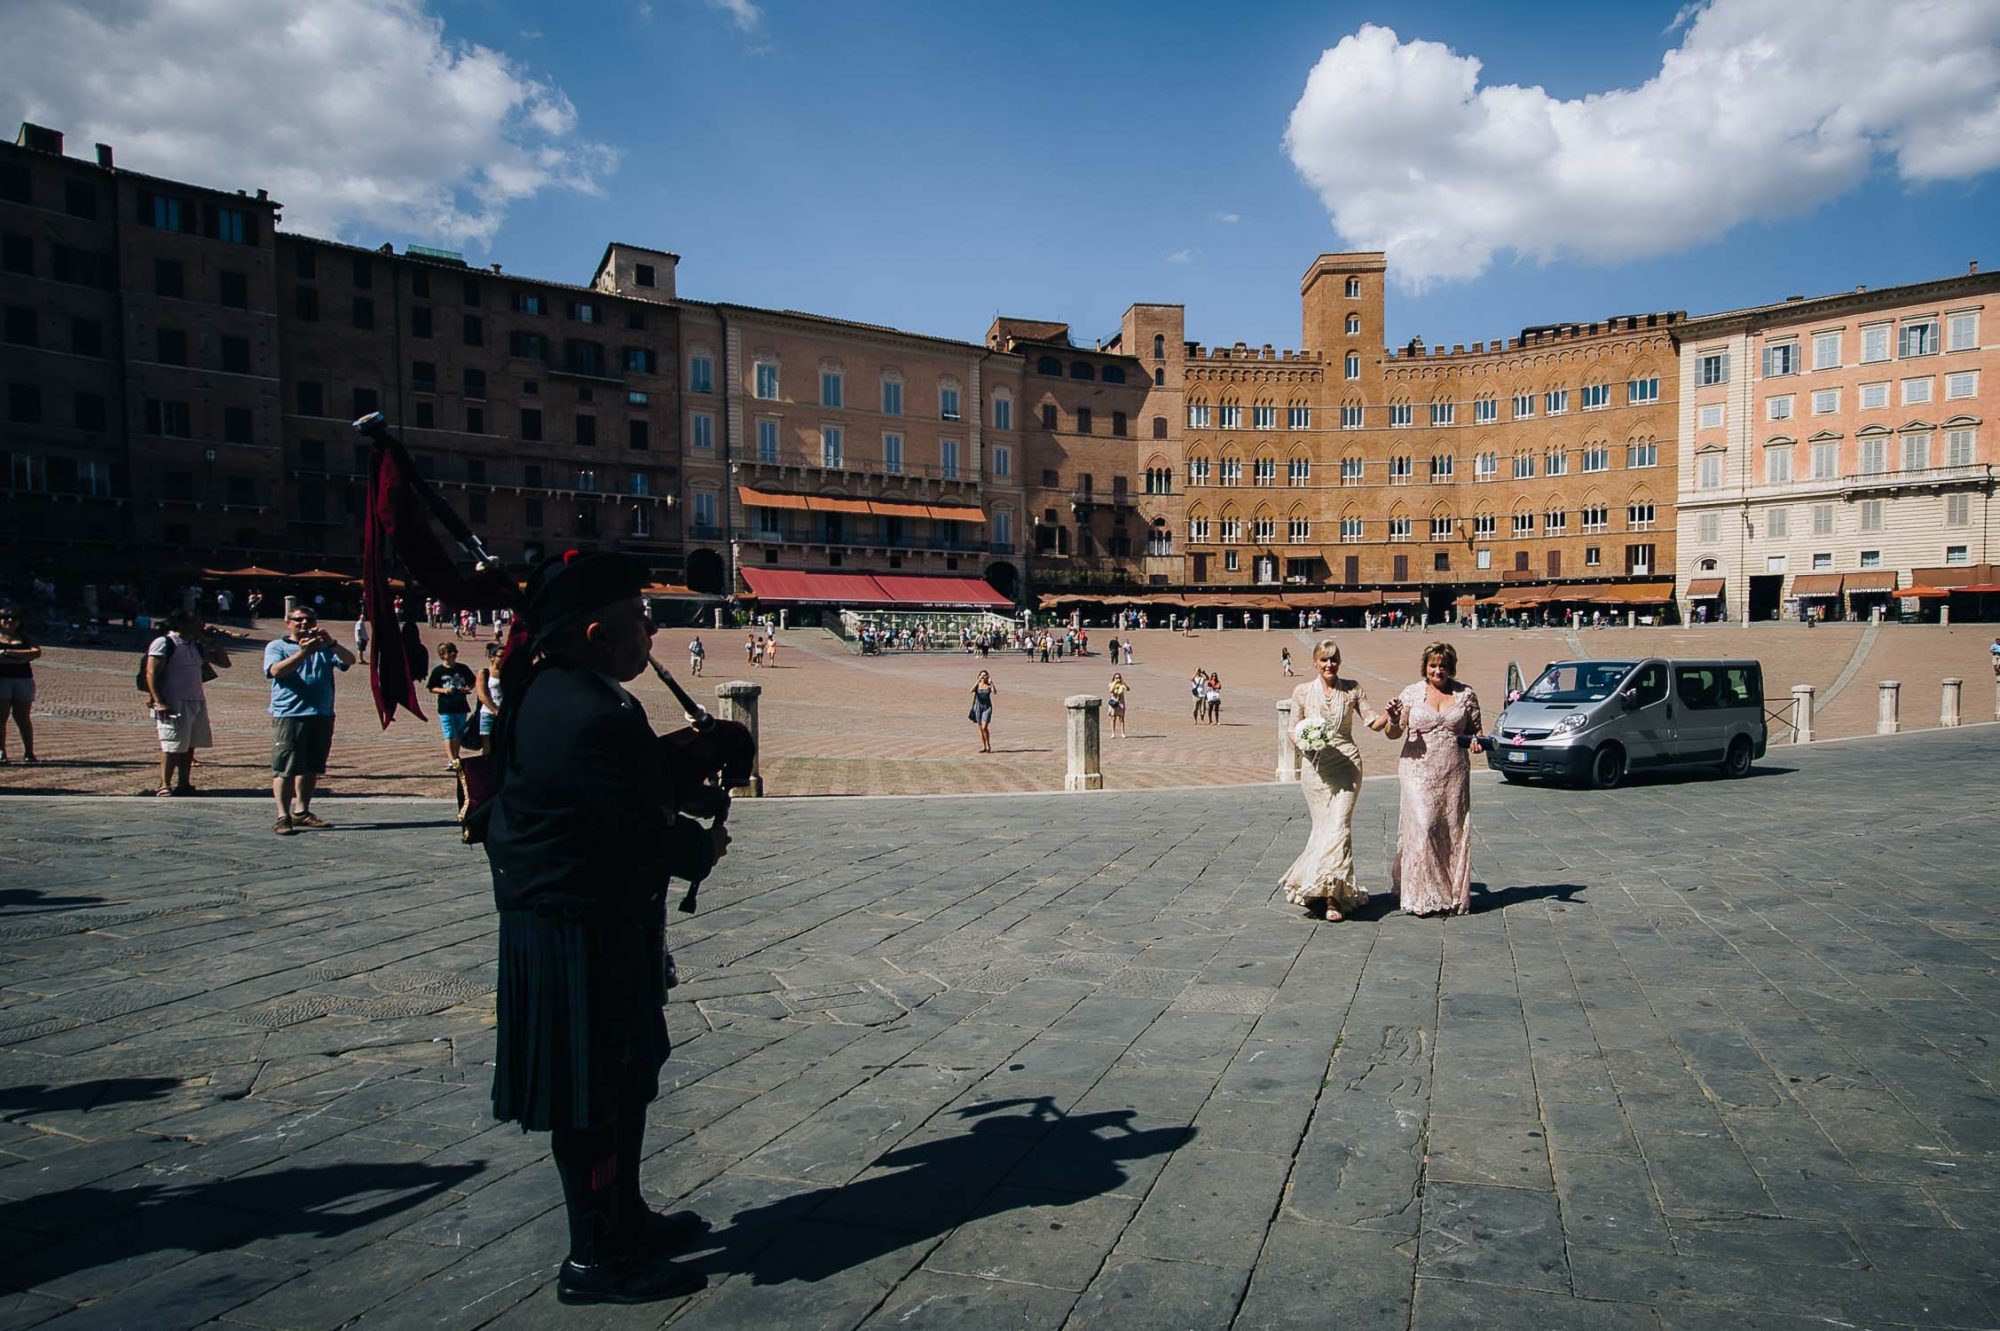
(300, 667)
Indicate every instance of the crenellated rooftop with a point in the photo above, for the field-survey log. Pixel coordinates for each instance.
(1542, 335)
(1244, 352)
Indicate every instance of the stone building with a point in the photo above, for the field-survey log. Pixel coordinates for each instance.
(827, 448)
(139, 349)
(1836, 449)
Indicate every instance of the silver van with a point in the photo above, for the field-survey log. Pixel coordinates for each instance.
(1595, 721)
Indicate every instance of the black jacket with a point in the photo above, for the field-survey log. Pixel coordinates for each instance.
(582, 821)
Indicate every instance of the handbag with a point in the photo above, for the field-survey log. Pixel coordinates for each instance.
(476, 788)
(972, 713)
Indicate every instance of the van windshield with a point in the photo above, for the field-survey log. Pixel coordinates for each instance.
(1578, 681)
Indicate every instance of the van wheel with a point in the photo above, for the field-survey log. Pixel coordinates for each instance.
(1607, 768)
(1737, 761)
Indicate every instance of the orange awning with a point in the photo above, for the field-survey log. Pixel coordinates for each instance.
(1876, 580)
(321, 575)
(1704, 589)
(764, 499)
(1638, 593)
(835, 504)
(1917, 591)
(1816, 584)
(958, 513)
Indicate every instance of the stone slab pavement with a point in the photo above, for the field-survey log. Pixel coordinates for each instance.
(1706, 1054)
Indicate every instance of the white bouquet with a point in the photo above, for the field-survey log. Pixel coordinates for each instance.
(1311, 734)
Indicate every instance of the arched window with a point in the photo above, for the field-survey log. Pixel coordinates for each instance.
(1159, 427)
(1159, 346)
(1353, 324)
(1080, 369)
(1049, 365)
(1114, 374)
(1159, 378)
(1353, 365)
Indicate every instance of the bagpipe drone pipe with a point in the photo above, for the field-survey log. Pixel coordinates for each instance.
(700, 764)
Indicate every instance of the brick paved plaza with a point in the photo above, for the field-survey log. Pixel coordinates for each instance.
(1705, 1055)
(836, 723)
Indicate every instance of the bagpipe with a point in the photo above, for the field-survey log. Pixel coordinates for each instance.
(699, 764)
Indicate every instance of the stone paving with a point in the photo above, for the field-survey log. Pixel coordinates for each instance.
(835, 723)
(1705, 1055)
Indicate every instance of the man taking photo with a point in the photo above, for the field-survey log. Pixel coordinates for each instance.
(301, 668)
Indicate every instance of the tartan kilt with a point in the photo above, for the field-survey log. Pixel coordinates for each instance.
(582, 1033)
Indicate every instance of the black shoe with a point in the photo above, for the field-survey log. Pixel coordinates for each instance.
(626, 1280)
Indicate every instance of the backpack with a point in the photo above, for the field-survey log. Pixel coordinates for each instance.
(139, 680)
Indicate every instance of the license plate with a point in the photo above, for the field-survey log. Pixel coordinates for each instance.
(1517, 757)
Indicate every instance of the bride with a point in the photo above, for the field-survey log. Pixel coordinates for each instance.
(1322, 878)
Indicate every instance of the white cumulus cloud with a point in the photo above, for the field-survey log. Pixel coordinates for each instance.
(1767, 109)
(353, 113)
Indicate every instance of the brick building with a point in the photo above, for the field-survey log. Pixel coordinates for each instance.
(1836, 449)
(547, 413)
(1535, 471)
(139, 337)
(826, 447)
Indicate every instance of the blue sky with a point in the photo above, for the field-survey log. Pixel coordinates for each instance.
(928, 165)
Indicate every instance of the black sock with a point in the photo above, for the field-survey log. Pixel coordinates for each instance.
(587, 1161)
(629, 1136)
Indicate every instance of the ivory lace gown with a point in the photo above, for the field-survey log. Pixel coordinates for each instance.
(1433, 868)
(1331, 779)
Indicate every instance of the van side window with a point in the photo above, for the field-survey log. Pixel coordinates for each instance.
(1650, 685)
(1742, 686)
(1696, 687)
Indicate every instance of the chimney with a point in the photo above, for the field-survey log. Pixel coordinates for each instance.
(104, 155)
(1974, 270)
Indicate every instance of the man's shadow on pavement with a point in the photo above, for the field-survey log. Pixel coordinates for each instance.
(82, 1228)
(939, 1185)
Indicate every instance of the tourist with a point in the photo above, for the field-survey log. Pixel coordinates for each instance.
(452, 685)
(1321, 879)
(696, 655)
(750, 649)
(1285, 660)
(1113, 651)
(301, 668)
(1128, 651)
(1198, 686)
(981, 714)
(771, 652)
(1119, 689)
(177, 662)
(1438, 721)
(17, 682)
(1211, 697)
(486, 689)
(361, 637)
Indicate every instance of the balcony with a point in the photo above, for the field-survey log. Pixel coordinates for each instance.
(1970, 475)
(802, 461)
(999, 547)
(1081, 500)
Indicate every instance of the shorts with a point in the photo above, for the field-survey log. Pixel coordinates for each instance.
(22, 688)
(300, 745)
(486, 720)
(453, 723)
(185, 728)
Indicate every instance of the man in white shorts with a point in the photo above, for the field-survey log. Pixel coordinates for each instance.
(179, 703)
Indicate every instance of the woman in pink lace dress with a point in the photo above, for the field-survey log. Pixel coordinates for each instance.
(1321, 879)
(1438, 721)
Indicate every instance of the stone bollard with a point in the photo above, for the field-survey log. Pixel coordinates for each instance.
(1631, 619)
(1267, 621)
(1221, 621)
(1802, 713)
(718, 617)
(1288, 752)
(737, 701)
(1948, 714)
(1944, 616)
(1886, 701)
(1084, 772)
(782, 621)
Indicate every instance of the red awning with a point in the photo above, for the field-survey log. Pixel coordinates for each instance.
(801, 587)
(964, 593)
